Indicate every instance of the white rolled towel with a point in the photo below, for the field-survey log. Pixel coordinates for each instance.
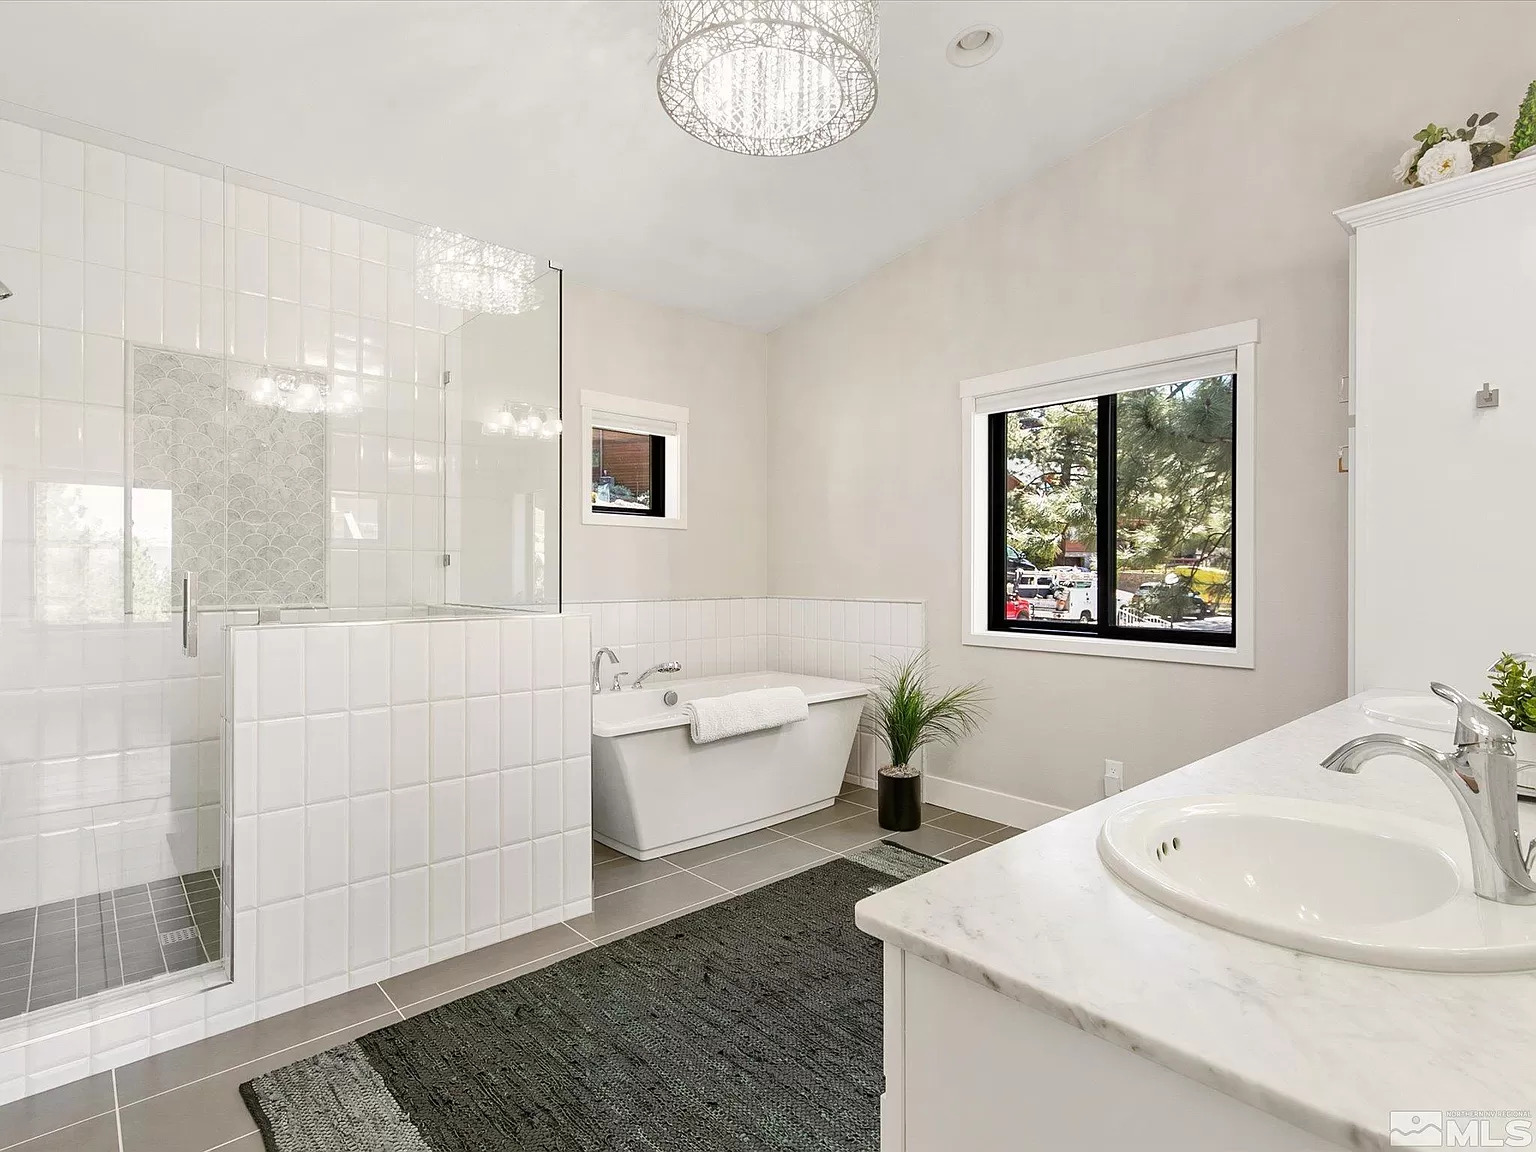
(716, 717)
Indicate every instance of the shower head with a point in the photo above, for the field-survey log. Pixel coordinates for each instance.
(5, 293)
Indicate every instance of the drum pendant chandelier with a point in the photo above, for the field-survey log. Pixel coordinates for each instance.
(769, 77)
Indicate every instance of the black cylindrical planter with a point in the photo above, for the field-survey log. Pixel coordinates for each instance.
(901, 802)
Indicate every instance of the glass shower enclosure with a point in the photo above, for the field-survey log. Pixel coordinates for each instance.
(222, 402)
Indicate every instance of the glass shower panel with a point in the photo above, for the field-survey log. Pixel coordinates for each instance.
(110, 768)
(504, 430)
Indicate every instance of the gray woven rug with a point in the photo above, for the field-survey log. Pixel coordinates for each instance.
(751, 1024)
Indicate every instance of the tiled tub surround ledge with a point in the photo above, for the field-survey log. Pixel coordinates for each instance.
(402, 792)
(839, 639)
(1325, 1045)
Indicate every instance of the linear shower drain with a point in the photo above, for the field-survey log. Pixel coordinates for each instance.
(179, 936)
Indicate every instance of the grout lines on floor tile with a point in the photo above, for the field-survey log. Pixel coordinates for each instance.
(382, 1020)
(391, 999)
(225, 1144)
(32, 961)
(117, 1112)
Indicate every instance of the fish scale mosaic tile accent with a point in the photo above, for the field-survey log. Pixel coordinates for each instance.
(247, 480)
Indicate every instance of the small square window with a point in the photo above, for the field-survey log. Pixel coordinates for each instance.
(637, 462)
(629, 473)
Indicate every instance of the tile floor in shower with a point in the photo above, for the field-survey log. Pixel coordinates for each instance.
(62, 952)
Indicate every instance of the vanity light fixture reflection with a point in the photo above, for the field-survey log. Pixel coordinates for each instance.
(301, 392)
(525, 421)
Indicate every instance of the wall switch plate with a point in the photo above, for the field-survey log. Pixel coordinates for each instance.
(1114, 776)
(1488, 397)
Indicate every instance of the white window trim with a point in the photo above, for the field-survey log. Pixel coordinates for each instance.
(1079, 378)
(626, 414)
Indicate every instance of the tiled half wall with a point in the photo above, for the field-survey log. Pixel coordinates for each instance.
(402, 791)
(842, 639)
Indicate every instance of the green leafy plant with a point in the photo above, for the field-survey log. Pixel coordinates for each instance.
(1514, 692)
(1524, 135)
(909, 713)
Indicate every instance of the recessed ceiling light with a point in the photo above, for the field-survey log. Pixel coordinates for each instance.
(976, 45)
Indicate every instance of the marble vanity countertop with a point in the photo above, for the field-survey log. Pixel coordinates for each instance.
(1327, 1045)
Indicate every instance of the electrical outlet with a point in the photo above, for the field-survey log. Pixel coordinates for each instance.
(1114, 776)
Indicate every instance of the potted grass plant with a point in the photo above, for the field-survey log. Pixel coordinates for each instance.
(908, 713)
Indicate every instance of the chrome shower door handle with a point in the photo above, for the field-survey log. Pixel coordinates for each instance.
(189, 613)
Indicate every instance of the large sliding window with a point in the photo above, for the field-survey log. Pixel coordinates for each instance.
(1108, 502)
(1116, 516)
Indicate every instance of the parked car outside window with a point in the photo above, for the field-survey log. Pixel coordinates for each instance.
(1170, 601)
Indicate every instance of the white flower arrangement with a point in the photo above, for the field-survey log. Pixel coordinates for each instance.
(1445, 161)
(1443, 154)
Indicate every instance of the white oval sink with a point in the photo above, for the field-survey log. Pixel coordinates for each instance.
(1423, 710)
(1329, 879)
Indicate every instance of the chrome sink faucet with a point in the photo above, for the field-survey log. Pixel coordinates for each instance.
(597, 669)
(664, 666)
(1481, 774)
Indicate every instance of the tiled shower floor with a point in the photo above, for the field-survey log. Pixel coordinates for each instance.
(62, 952)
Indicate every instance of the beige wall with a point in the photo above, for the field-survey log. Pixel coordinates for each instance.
(1214, 209)
(718, 372)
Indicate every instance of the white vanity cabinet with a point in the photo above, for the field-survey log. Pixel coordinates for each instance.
(967, 1068)
(1442, 530)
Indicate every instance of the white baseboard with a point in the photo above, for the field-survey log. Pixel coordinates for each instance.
(974, 800)
(989, 805)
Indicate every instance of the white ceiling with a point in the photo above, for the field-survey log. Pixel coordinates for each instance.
(536, 124)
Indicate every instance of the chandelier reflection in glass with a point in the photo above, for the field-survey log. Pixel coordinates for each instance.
(525, 421)
(463, 272)
(305, 393)
(769, 77)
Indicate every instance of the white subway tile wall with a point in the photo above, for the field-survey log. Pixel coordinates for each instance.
(110, 761)
(841, 639)
(426, 826)
(104, 250)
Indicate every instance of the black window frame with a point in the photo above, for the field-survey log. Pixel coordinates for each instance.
(1106, 626)
(658, 508)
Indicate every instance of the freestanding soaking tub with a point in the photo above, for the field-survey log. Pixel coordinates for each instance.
(655, 792)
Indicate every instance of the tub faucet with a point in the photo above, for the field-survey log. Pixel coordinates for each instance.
(597, 667)
(1481, 774)
(664, 666)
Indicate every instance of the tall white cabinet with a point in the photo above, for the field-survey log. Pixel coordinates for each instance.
(1442, 491)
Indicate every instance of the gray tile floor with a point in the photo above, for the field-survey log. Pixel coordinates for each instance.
(187, 1099)
(61, 952)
